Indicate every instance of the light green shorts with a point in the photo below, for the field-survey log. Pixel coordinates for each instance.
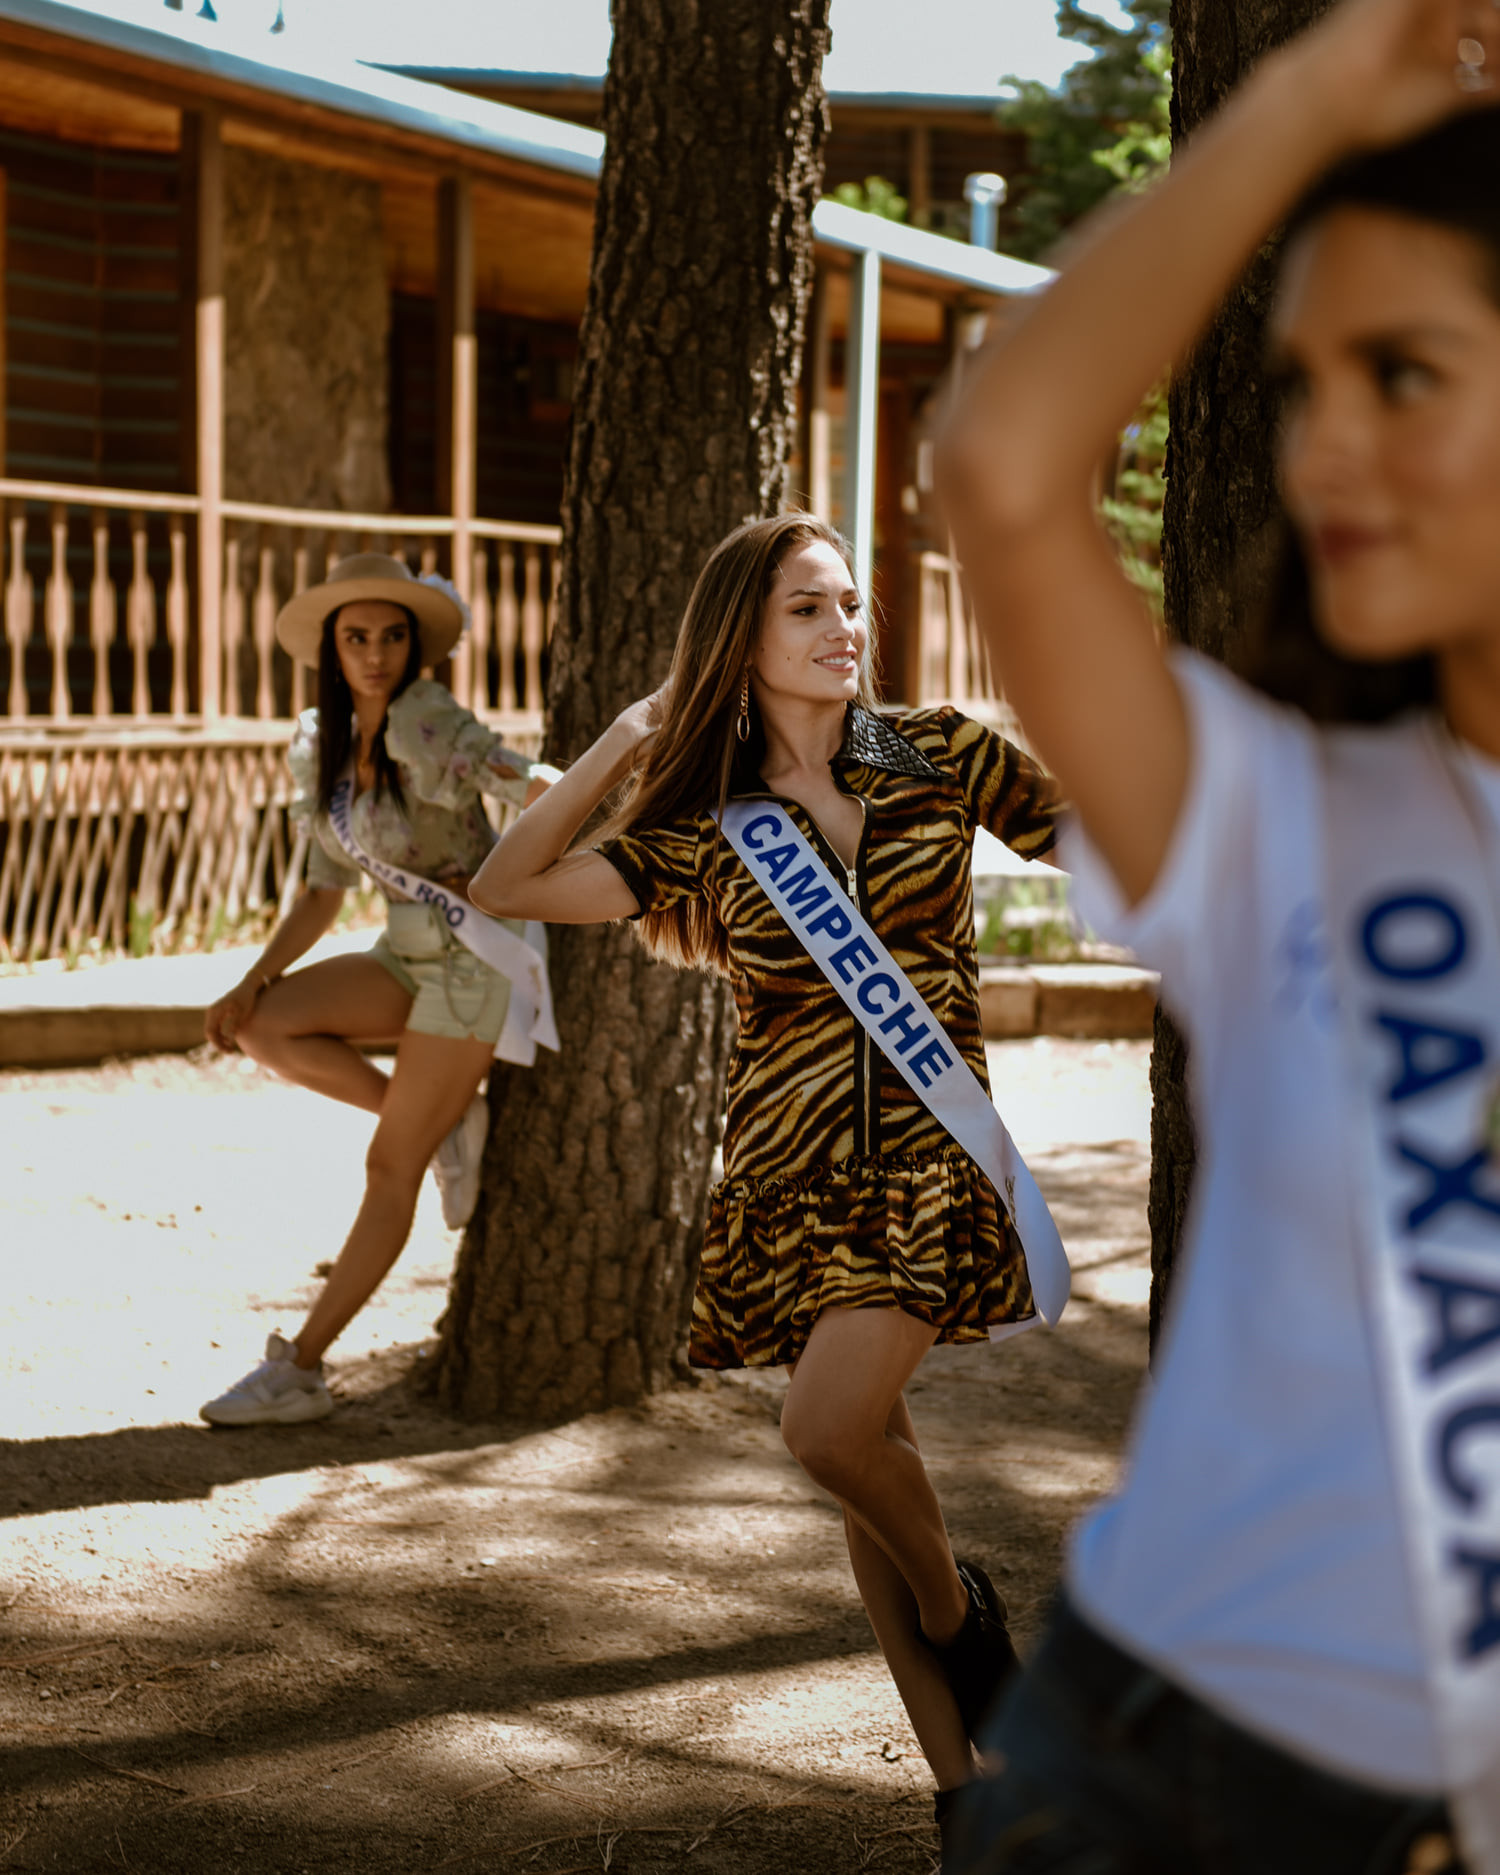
(452, 992)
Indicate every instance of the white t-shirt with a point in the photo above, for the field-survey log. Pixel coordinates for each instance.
(1253, 1553)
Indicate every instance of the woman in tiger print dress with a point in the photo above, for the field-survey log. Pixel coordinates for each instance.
(850, 1232)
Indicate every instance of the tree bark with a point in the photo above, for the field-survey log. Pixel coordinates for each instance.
(575, 1279)
(1221, 499)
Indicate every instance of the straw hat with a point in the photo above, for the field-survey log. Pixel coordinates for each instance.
(440, 619)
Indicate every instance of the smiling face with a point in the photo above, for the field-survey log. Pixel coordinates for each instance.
(1389, 341)
(813, 632)
(373, 641)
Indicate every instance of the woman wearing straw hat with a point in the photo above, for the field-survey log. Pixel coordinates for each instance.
(388, 772)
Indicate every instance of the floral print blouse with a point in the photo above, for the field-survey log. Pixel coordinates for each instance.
(446, 759)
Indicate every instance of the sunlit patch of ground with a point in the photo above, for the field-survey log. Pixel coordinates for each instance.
(391, 1643)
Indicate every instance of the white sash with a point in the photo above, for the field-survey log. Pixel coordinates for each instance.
(845, 947)
(523, 959)
(1416, 936)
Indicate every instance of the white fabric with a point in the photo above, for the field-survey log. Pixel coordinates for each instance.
(519, 955)
(1416, 948)
(1254, 1552)
(876, 991)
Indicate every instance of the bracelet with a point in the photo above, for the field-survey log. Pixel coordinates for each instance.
(265, 981)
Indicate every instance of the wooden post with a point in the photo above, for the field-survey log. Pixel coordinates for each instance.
(919, 181)
(818, 459)
(862, 415)
(203, 140)
(458, 370)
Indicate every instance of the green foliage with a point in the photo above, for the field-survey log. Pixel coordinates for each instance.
(875, 196)
(1105, 127)
(1132, 513)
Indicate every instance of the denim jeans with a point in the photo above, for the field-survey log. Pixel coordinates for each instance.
(1110, 1770)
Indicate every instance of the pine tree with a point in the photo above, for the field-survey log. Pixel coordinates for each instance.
(1106, 125)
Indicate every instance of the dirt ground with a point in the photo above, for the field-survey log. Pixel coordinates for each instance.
(394, 1643)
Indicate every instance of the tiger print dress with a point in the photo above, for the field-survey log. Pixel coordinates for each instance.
(840, 1188)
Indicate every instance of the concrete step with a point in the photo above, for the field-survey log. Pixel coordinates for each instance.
(1100, 1001)
(58, 1018)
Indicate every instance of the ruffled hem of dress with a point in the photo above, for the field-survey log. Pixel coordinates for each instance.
(924, 1233)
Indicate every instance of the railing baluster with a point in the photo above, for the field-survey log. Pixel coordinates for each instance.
(19, 602)
(58, 611)
(265, 627)
(102, 615)
(479, 634)
(140, 617)
(177, 614)
(300, 583)
(533, 627)
(234, 622)
(509, 621)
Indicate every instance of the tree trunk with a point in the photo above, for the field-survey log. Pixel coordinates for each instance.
(574, 1283)
(1220, 498)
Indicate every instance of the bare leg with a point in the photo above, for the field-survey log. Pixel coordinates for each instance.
(307, 1028)
(837, 1424)
(846, 1424)
(433, 1081)
(919, 1679)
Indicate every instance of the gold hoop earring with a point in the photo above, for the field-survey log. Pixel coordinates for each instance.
(742, 721)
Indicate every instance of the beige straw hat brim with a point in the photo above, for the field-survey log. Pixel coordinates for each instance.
(299, 624)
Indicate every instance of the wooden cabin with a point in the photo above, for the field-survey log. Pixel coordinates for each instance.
(258, 313)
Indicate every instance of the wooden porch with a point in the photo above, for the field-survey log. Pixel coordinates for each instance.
(143, 790)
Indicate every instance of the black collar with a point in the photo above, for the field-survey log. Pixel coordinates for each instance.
(870, 741)
(875, 742)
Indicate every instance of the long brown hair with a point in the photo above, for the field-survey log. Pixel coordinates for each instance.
(696, 757)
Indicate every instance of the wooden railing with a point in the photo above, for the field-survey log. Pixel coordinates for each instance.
(953, 663)
(133, 819)
(100, 625)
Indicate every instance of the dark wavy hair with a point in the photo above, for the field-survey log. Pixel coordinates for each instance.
(336, 715)
(1449, 176)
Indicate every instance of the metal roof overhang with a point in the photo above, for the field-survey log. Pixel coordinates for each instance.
(189, 61)
(193, 60)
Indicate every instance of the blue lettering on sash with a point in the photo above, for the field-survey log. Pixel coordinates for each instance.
(1430, 1054)
(929, 1061)
(1451, 1184)
(1467, 1317)
(866, 992)
(901, 1020)
(770, 822)
(1417, 938)
(802, 894)
(1388, 951)
(778, 859)
(1485, 1633)
(856, 955)
(1459, 1425)
(835, 921)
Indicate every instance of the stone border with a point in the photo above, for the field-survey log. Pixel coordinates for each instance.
(81, 1018)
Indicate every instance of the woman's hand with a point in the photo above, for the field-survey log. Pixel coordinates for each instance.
(1385, 70)
(222, 1023)
(639, 722)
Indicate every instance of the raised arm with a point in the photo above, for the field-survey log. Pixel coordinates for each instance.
(531, 873)
(1071, 637)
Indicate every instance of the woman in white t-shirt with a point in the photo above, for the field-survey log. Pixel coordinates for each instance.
(1278, 1650)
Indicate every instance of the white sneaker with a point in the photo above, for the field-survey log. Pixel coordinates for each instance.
(456, 1163)
(277, 1393)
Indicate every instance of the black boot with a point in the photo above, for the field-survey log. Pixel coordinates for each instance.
(942, 1812)
(980, 1659)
